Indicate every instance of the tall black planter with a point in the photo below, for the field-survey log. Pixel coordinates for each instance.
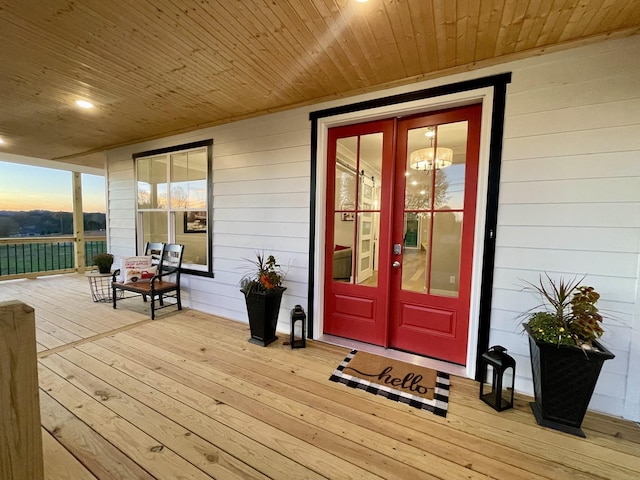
(564, 378)
(263, 309)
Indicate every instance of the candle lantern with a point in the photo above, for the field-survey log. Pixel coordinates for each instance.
(297, 338)
(497, 367)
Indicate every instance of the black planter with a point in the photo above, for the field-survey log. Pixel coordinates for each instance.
(263, 309)
(564, 378)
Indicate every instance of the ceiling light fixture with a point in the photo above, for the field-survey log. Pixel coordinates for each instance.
(84, 104)
(1, 141)
(431, 158)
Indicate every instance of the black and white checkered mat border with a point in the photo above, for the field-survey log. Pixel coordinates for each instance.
(438, 405)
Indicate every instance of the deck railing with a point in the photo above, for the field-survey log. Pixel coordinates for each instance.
(28, 256)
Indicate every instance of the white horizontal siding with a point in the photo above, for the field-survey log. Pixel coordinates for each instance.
(592, 92)
(623, 215)
(277, 200)
(593, 165)
(120, 206)
(569, 200)
(560, 237)
(260, 202)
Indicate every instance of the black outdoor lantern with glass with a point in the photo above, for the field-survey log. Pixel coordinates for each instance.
(298, 328)
(495, 365)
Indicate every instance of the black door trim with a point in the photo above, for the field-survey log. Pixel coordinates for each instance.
(499, 83)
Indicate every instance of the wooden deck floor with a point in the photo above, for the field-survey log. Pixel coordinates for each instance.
(186, 396)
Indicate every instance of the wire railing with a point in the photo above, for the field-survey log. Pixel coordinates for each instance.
(23, 257)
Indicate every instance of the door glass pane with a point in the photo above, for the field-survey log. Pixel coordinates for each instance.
(435, 171)
(343, 234)
(411, 230)
(367, 249)
(370, 171)
(419, 171)
(415, 261)
(447, 242)
(346, 165)
(449, 185)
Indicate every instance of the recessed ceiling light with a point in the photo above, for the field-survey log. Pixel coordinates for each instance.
(84, 104)
(362, 1)
(1, 140)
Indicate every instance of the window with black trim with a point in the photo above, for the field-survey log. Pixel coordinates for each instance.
(173, 189)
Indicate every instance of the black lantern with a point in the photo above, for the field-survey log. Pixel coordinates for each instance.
(495, 364)
(298, 327)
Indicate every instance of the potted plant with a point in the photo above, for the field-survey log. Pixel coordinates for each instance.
(566, 357)
(262, 289)
(103, 261)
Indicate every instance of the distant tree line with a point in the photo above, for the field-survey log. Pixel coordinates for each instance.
(40, 223)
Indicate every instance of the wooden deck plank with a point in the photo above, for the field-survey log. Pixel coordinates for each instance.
(137, 399)
(301, 443)
(91, 449)
(141, 447)
(242, 433)
(193, 448)
(170, 377)
(321, 411)
(59, 463)
(479, 416)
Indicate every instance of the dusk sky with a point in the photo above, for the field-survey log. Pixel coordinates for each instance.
(24, 187)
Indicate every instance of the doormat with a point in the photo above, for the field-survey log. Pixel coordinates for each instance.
(419, 387)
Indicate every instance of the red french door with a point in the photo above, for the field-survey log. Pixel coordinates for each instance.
(358, 233)
(434, 217)
(400, 224)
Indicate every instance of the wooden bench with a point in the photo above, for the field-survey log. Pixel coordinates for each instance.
(164, 284)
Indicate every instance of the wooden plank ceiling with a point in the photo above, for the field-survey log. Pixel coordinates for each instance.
(156, 67)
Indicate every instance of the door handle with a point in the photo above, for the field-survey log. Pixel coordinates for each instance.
(396, 264)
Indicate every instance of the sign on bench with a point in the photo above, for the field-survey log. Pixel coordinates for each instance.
(138, 268)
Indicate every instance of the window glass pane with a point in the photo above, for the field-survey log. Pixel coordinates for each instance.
(179, 181)
(191, 231)
(172, 191)
(197, 161)
(152, 182)
(345, 194)
(154, 227)
(189, 179)
(344, 230)
(447, 242)
(144, 182)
